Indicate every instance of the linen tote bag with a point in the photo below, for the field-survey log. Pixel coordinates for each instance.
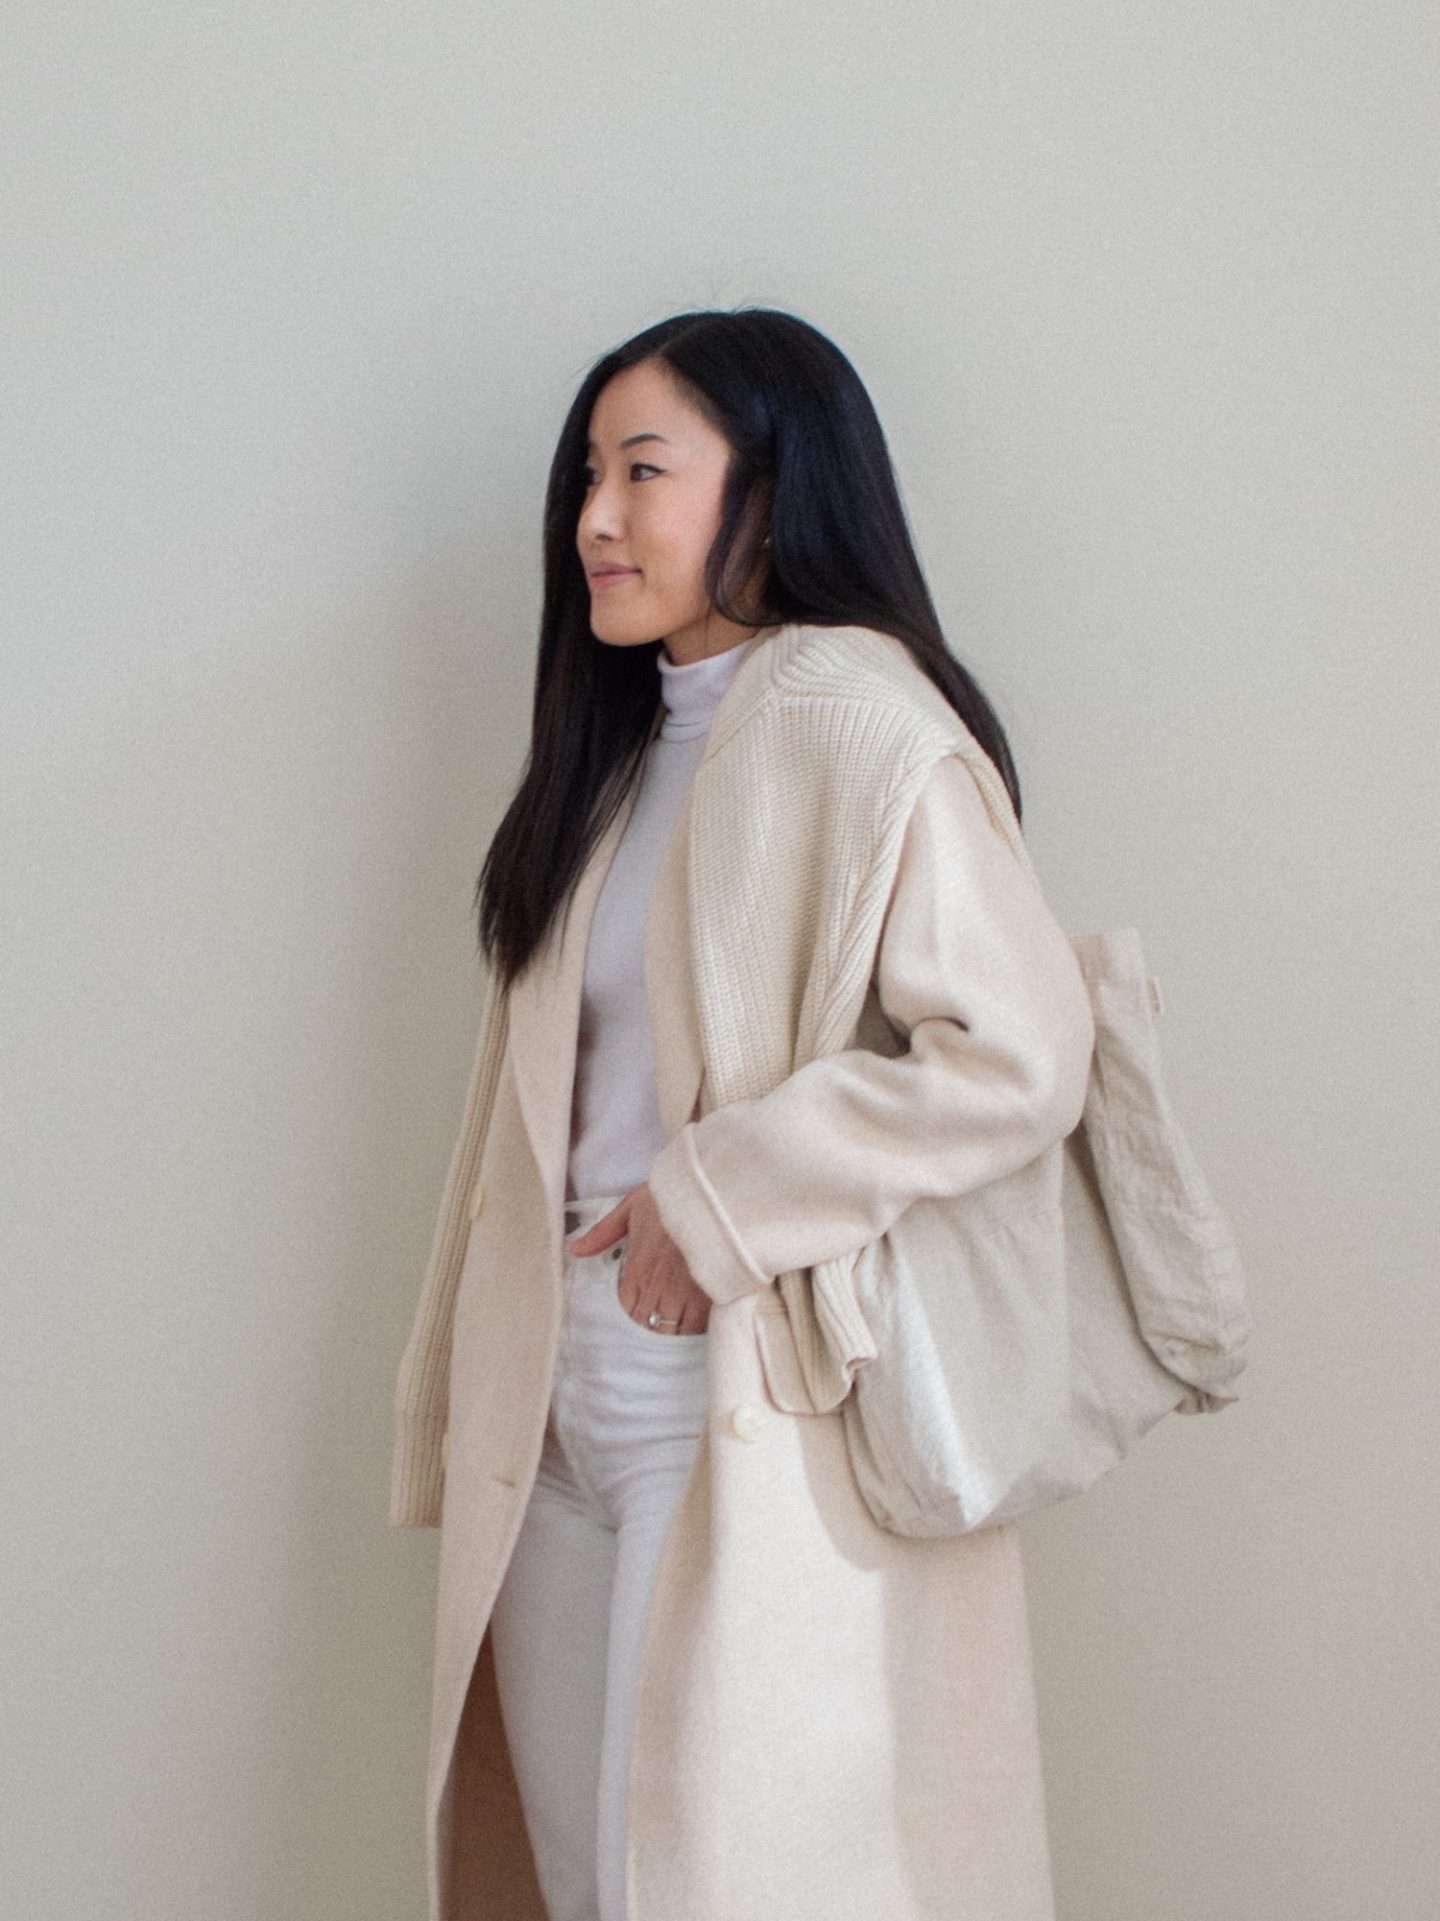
(1030, 1332)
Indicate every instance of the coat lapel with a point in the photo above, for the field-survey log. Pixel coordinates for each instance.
(669, 981)
(544, 1024)
(545, 1000)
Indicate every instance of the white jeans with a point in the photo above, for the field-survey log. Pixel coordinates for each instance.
(627, 1409)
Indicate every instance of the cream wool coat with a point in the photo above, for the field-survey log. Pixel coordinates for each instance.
(831, 1720)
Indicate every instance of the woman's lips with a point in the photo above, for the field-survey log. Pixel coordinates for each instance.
(614, 580)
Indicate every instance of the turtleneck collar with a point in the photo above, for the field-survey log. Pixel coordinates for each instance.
(692, 692)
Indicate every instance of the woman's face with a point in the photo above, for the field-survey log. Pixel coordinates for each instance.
(653, 508)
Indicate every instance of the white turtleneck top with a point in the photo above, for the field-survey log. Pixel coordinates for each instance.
(615, 1117)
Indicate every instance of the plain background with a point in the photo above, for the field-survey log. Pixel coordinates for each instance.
(293, 303)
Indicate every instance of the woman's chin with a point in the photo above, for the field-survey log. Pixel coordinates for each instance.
(620, 633)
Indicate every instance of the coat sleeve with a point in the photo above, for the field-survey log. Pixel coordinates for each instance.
(978, 976)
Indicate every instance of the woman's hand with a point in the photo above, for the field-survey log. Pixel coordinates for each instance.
(654, 1276)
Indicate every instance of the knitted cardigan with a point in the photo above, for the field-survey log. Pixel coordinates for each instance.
(813, 763)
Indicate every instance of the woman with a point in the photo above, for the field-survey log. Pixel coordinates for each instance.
(715, 1689)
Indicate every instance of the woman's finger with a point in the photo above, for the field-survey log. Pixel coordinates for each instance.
(602, 1233)
(673, 1303)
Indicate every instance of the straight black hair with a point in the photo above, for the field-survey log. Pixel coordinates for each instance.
(810, 466)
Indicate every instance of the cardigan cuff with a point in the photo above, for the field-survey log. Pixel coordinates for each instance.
(417, 1470)
(695, 1218)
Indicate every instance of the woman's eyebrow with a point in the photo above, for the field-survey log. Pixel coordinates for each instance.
(630, 442)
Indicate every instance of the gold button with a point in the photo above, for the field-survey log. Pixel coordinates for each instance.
(477, 1200)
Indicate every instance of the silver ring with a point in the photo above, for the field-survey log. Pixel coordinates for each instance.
(653, 1320)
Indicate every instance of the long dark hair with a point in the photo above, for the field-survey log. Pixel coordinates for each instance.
(809, 464)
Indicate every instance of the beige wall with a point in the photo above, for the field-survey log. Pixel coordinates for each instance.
(293, 300)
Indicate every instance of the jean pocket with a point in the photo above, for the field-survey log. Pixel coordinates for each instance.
(646, 1333)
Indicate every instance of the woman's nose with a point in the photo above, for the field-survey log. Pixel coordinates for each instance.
(600, 514)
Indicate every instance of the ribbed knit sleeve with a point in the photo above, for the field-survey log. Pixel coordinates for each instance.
(981, 981)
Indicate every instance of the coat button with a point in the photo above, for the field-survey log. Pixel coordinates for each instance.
(477, 1200)
(747, 1420)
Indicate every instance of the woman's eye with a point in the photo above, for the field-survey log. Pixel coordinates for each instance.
(589, 474)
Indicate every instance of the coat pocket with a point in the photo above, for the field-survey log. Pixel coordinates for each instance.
(780, 1359)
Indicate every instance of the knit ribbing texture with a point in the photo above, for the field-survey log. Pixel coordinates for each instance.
(813, 763)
